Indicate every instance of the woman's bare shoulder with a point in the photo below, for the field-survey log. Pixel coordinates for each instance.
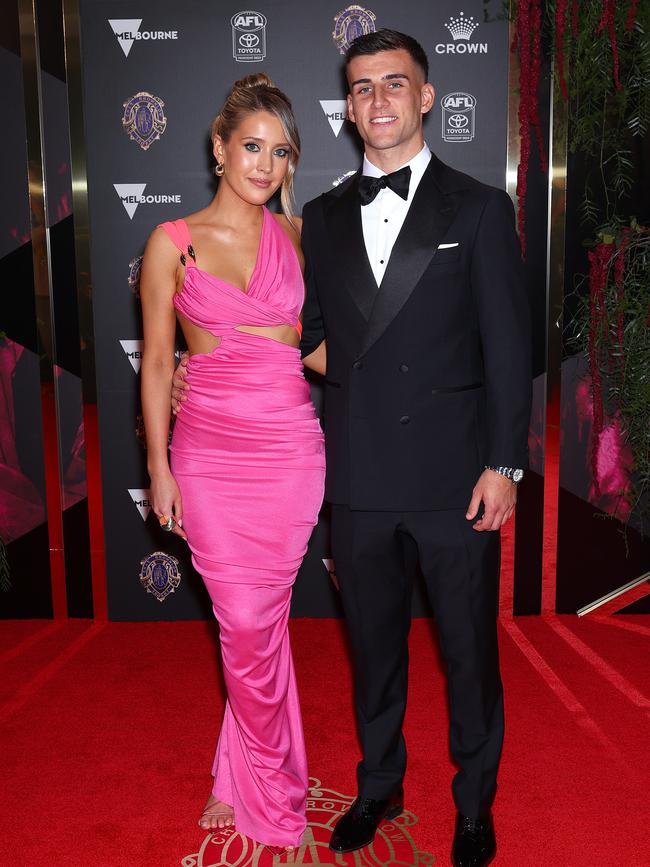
(292, 227)
(160, 253)
(159, 242)
(162, 240)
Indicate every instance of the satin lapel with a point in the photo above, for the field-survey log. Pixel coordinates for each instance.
(343, 219)
(424, 228)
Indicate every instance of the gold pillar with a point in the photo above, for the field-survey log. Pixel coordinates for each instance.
(554, 305)
(31, 71)
(72, 36)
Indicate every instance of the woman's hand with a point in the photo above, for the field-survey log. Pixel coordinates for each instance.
(166, 500)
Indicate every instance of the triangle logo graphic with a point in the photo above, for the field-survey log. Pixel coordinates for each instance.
(125, 30)
(130, 196)
(133, 351)
(336, 112)
(141, 500)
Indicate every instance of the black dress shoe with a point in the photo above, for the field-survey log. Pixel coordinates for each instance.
(357, 827)
(474, 842)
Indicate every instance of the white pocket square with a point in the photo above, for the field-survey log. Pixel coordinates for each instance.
(447, 246)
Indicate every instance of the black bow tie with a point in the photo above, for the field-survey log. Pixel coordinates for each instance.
(398, 182)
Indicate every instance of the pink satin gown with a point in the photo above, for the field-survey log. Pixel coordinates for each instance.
(248, 456)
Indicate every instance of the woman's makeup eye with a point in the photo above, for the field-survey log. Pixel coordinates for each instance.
(281, 152)
(251, 146)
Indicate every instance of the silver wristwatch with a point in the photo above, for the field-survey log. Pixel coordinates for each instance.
(514, 475)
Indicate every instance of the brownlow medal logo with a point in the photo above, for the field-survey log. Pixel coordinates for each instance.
(393, 844)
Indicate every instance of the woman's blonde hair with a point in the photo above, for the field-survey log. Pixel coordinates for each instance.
(258, 93)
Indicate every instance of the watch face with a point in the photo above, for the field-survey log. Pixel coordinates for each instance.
(517, 476)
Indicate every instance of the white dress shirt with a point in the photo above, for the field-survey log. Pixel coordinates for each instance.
(382, 219)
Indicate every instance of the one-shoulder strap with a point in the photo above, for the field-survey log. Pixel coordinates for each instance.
(180, 235)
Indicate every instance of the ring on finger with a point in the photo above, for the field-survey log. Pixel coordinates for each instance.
(166, 523)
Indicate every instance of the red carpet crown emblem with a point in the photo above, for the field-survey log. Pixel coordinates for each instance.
(393, 844)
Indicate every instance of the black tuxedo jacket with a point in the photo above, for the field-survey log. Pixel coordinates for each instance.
(429, 376)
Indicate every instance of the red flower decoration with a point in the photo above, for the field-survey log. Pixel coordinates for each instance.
(599, 261)
(631, 15)
(607, 19)
(527, 38)
(560, 22)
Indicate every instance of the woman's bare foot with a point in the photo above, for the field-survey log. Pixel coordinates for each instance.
(216, 815)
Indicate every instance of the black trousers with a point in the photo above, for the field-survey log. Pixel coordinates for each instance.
(376, 556)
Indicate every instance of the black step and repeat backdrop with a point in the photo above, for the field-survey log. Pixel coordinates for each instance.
(155, 74)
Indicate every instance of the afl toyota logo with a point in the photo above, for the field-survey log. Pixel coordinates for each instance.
(248, 36)
(458, 116)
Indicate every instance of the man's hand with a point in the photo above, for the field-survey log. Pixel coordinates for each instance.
(179, 385)
(498, 495)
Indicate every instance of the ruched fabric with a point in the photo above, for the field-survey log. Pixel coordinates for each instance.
(247, 453)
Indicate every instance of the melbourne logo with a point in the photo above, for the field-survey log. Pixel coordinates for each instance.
(159, 574)
(141, 500)
(143, 119)
(133, 351)
(128, 31)
(132, 195)
(461, 29)
(248, 36)
(350, 23)
(393, 843)
(458, 116)
(336, 112)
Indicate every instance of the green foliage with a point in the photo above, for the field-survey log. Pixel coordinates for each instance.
(603, 117)
(602, 68)
(589, 213)
(603, 121)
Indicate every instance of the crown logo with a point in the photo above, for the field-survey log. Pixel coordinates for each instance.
(461, 27)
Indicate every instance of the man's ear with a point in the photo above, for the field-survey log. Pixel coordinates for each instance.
(350, 109)
(428, 97)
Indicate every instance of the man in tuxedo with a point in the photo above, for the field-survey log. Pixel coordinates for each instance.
(415, 298)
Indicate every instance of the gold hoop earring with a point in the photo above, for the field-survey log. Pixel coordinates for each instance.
(219, 169)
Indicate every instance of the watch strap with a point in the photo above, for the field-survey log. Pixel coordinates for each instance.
(512, 473)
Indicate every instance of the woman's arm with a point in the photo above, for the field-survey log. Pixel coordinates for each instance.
(312, 345)
(317, 360)
(157, 287)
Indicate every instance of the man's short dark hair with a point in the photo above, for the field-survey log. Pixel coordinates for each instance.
(388, 40)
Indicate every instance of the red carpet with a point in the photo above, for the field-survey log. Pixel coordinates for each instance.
(108, 733)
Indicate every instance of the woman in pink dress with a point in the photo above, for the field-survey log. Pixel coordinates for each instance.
(245, 483)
